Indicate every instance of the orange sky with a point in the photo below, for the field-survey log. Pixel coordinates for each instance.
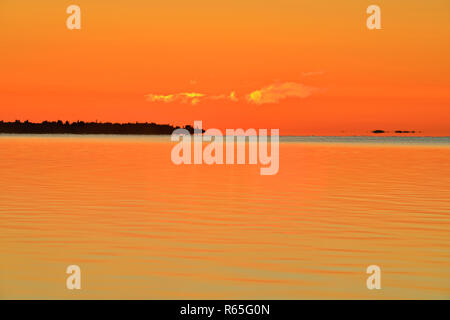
(313, 67)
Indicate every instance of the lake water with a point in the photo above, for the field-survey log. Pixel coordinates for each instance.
(141, 227)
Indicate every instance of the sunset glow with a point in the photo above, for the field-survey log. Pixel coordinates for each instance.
(215, 62)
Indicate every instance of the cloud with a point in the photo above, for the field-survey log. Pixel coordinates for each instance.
(232, 97)
(276, 92)
(184, 97)
(189, 97)
(269, 94)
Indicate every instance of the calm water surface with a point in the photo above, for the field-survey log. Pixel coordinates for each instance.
(141, 227)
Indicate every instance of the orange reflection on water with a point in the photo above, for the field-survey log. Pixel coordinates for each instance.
(141, 227)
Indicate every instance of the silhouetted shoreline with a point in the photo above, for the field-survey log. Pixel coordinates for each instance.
(81, 127)
(396, 131)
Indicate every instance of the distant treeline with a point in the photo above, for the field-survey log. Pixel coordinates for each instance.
(81, 127)
(396, 131)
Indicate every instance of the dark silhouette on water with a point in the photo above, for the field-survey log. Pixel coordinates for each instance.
(81, 127)
(396, 131)
(404, 131)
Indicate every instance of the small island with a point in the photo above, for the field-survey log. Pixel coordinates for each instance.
(396, 131)
(81, 127)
